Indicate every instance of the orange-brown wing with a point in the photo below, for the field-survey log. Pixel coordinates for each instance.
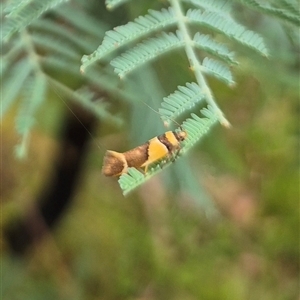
(114, 163)
(136, 157)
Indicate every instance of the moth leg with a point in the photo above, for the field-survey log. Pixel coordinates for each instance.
(175, 155)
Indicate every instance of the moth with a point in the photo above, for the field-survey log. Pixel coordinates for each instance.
(163, 147)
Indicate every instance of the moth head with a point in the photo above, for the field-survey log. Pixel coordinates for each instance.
(181, 135)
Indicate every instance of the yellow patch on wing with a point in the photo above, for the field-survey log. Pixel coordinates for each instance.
(156, 151)
(171, 138)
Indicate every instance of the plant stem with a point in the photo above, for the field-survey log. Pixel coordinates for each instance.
(195, 64)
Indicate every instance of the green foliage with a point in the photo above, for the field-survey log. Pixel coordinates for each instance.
(33, 94)
(207, 44)
(35, 49)
(228, 27)
(37, 46)
(180, 101)
(145, 52)
(211, 15)
(150, 247)
(286, 10)
(122, 35)
(20, 14)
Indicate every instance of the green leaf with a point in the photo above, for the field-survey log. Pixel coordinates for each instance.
(180, 101)
(227, 26)
(145, 51)
(122, 35)
(21, 13)
(13, 83)
(218, 70)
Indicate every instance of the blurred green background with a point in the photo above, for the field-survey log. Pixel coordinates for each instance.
(157, 243)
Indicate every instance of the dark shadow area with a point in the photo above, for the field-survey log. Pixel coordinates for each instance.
(58, 192)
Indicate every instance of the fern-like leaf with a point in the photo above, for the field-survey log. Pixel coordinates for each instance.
(33, 95)
(285, 10)
(218, 70)
(121, 35)
(289, 5)
(13, 83)
(229, 28)
(46, 29)
(145, 51)
(55, 45)
(22, 13)
(88, 100)
(50, 48)
(220, 6)
(195, 127)
(206, 43)
(87, 25)
(180, 101)
(8, 58)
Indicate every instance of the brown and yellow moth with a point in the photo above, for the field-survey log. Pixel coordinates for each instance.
(163, 147)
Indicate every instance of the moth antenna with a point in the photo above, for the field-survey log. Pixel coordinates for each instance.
(166, 124)
(73, 113)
